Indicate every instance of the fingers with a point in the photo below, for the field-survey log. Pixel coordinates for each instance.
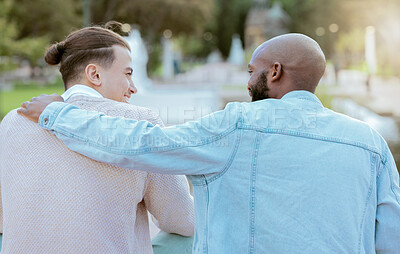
(21, 111)
(44, 96)
(25, 104)
(56, 97)
(33, 108)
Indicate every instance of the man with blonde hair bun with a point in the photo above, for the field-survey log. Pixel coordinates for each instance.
(57, 201)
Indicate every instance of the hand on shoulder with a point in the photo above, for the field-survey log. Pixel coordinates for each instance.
(33, 108)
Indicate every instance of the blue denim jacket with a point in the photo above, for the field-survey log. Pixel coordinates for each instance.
(272, 176)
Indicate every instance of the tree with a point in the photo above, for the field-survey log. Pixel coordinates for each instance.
(7, 27)
(27, 48)
(52, 18)
(308, 15)
(229, 20)
(351, 17)
(154, 16)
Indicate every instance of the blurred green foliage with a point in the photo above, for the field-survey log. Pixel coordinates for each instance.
(185, 19)
(7, 27)
(155, 16)
(200, 26)
(351, 17)
(194, 46)
(7, 64)
(31, 49)
(31, 84)
(10, 100)
(52, 19)
(230, 18)
(11, 41)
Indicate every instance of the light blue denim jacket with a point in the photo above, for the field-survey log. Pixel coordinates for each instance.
(273, 176)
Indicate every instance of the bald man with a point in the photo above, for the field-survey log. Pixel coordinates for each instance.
(282, 174)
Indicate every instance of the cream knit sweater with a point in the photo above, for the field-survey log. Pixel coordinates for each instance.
(57, 201)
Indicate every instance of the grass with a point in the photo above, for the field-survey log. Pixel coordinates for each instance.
(10, 100)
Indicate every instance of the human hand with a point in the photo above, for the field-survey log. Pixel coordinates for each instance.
(33, 108)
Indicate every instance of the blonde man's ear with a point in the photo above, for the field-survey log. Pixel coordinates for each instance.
(92, 75)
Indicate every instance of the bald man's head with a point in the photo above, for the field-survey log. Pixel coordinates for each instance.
(289, 62)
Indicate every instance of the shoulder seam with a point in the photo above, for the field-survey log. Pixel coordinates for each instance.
(313, 136)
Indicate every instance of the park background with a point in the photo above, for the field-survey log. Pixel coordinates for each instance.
(197, 51)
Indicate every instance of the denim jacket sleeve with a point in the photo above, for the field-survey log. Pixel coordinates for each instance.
(198, 147)
(2, 161)
(387, 230)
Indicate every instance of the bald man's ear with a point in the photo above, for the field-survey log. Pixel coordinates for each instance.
(276, 71)
(92, 74)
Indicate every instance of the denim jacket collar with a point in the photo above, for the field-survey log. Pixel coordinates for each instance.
(302, 95)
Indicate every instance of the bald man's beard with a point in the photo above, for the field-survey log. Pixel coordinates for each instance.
(259, 91)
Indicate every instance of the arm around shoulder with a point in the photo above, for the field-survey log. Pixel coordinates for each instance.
(197, 147)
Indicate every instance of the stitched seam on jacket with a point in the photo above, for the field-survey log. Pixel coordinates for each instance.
(52, 118)
(312, 136)
(238, 139)
(205, 243)
(197, 181)
(380, 170)
(310, 99)
(230, 160)
(253, 194)
(371, 181)
(392, 185)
